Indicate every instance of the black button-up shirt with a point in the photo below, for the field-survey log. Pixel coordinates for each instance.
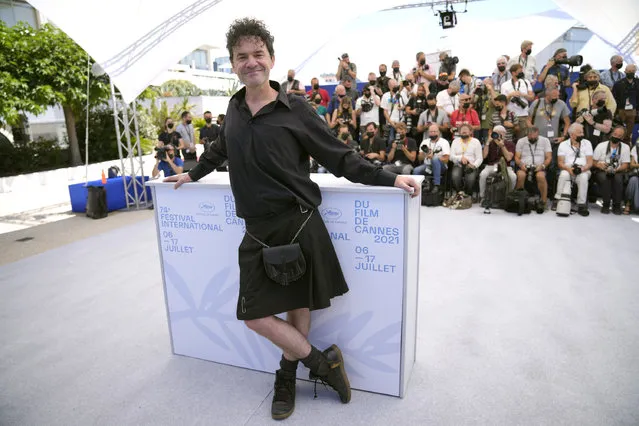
(268, 155)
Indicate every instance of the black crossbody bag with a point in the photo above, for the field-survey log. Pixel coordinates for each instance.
(284, 264)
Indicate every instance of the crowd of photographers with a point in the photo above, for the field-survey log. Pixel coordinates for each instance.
(533, 126)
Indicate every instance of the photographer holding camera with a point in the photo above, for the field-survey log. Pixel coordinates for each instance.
(626, 93)
(448, 99)
(466, 154)
(611, 160)
(422, 71)
(597, 121)
(501, 74)
(434, 154)
(315, 88)
(447, 71)
(210, 131)
(416, 106)
(575, 161)
(496, 148)
(171, 137)
(582, 94)
(367, 108)
(556, 67)
(167, 162)
(344, 114)
(432, 115)
(503, 117)
(519, 93)
(403, 152)
(372, 146)
(464, 115)
(393, 105)
(346, 70)
(533, 155)
(292, 85)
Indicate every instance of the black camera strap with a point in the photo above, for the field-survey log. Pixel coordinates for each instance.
(617, 155)
(577, 153)
(532, 153)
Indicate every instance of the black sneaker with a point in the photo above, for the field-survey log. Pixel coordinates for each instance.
(616, 209)
(284, 395)
(605, 209)
(336, 376)
(582, 209)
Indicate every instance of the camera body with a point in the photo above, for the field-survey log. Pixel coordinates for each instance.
(366, 105)
(517, 100)
(161, 152)
(495, 135)
(576, 169)
(451, 60)
(612, 166)
(573, 61)
(530, 172)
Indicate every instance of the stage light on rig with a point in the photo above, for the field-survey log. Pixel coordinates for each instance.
(448, 16)
(448, 19)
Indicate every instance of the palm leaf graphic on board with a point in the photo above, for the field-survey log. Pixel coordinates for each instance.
(367, 354)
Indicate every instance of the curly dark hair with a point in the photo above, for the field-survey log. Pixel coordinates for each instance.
(248, 28)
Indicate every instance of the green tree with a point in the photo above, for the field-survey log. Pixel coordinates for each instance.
(44, 67)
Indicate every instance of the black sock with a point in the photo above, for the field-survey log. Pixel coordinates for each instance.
(287, 365)
(316, 362)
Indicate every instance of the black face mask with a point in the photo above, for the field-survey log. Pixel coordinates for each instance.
(464, 137)
(579, 138)
(395, 89)
(433, 137)
(171, 156)
(592, 84)
(533, 140)
(290, 79)
(316, 86)
(615, 140)
(553, 101)
(395, 69)
(498, 108)
(618, 66)
(521, 75)
(367, 94)
(402, 136)
(382, 73)
(453, 93)
(466, 105)
(501, 68)
(370, 134)
(600, 103)
(340, 96)
(189, 121)
(528, 52)
(371, 82)
(208, 120)
(432, 106)
(630, 75)
(170, 125)
(318, 101)
(422, 62)
(343, 136)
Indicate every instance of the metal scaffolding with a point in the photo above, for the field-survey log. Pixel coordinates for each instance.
(129, 150)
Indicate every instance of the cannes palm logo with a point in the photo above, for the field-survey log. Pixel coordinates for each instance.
(332, 215)
(206, 208)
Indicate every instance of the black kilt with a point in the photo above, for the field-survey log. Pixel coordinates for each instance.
(260, 296)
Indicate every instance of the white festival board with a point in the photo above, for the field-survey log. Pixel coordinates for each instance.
(199, 234)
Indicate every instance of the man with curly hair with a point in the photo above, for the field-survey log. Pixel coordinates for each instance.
(268, 137)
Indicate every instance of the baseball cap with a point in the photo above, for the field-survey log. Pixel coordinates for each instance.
(344, 55)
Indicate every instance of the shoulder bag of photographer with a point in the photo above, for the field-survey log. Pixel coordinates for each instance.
(563, 205)
(430, 198)
(517, 202)
(96, 206)
(497, 186)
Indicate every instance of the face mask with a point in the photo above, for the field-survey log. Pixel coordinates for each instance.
(521, 75)
(615, 140)
(464, 137)
(433, 137)
(422, 62)
(533, 140)
(208, 120)
(600, 103)
(630, 75)
(382, 73)
(395, 89)
(367, 94)
(453, 93)
(498, 108)
(395, 69)
(528, 52)
(290, 79)
(316, 86)
(579, 138)
(432, 106)
(371, 82)
(344, 136)
(170, 125)
(171, 156)
(592, 84)
(340, 96)
(370, 134)
(188, 121)
(618, 66)
(318, 101)
(553, 101)
(466, 105)
(501, 68)
(402, 136)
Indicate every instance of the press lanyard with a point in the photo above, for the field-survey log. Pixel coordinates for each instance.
(552, 108)
(577, 152)
(532, 153)
(452, 101)
(465, 146)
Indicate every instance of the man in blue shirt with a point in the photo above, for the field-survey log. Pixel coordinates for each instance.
(614, 74)
(559, 71)
(169, 164)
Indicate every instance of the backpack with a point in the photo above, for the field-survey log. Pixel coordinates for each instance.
(517, 202)
(495, 191)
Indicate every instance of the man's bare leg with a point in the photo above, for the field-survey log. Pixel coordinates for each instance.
(282, 334)
(301, 320)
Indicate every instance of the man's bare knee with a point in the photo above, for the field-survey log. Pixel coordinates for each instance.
(258, 325)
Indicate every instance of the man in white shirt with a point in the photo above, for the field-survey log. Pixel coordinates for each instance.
(367, 108)
(185, 129)
(528, 63)
(448, 99)
(432, 115)
(533, 151)
(466, 155)
(520, 93)
(393, 104)
(434, 153)
(611, 161)
(575, 161)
